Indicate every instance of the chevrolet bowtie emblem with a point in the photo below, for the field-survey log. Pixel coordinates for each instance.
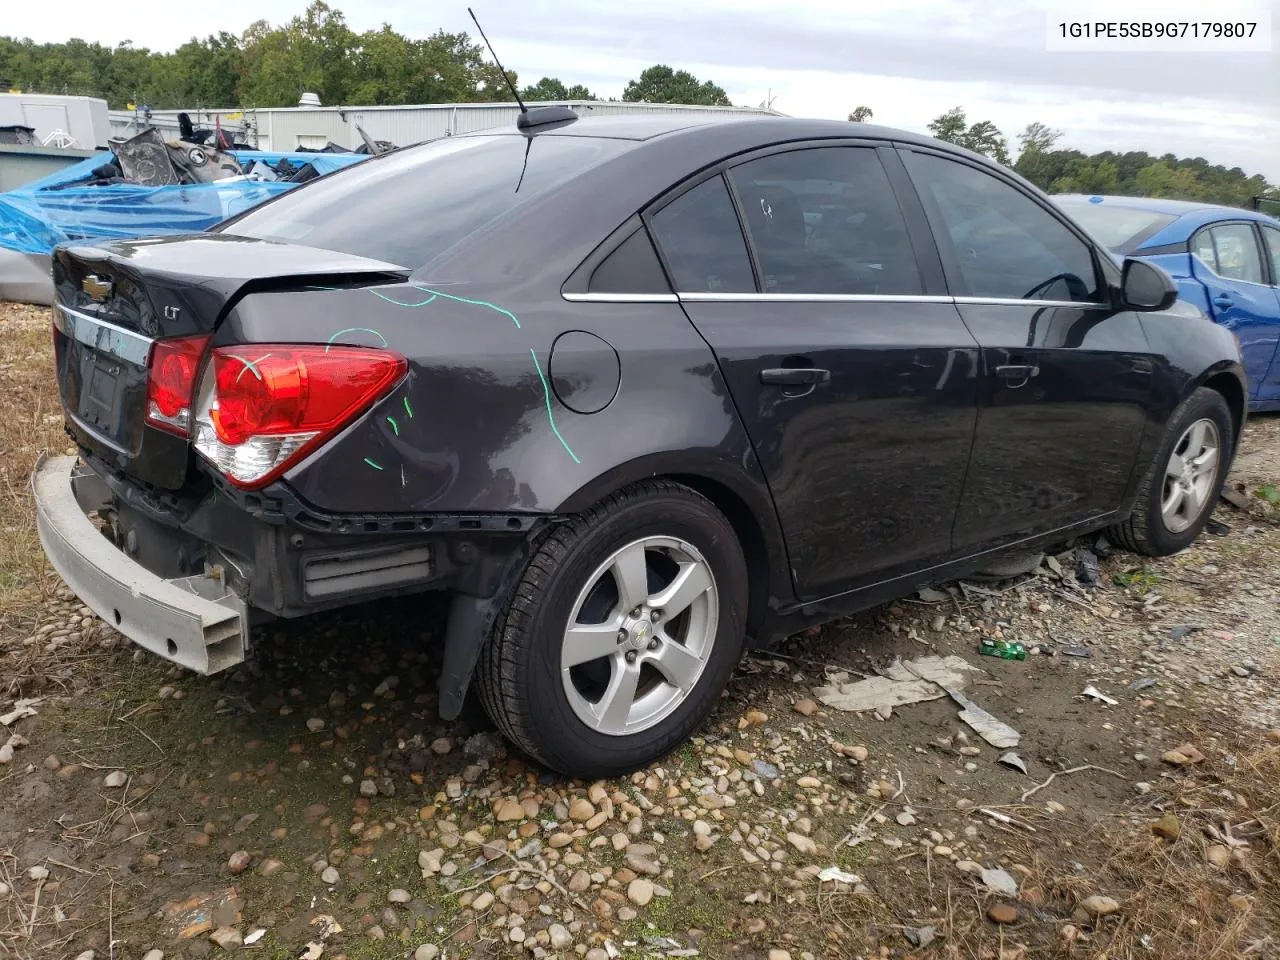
(96, 289)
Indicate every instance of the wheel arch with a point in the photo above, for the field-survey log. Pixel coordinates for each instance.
(1229, 382)
(741, 495)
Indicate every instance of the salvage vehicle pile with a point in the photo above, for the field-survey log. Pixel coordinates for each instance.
(144, 186)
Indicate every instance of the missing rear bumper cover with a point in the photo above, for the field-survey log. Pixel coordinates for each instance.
(372, 570)
(194, 621)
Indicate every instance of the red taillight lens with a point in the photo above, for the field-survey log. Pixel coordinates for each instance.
(171, 382)
(269, 405)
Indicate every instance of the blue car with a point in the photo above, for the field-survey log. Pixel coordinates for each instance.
(1224, 260)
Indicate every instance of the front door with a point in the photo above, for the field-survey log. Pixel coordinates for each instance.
(855, 380)
(1065, 378)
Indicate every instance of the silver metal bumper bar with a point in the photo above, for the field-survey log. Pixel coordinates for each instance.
(194, 621)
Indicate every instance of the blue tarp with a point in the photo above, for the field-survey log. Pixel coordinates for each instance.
(35, 217)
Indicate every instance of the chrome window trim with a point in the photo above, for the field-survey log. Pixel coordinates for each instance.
(813, 298)
(620, 297)
(1015, 302)
(103, 336)
(820, 298)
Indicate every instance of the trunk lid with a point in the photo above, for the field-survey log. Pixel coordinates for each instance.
(115, 300)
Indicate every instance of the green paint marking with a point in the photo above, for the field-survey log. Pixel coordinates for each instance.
(475, 303)
(347, 330)
(394, 425)
(383, 296)
(546, 396)
(434, 295)
(375, 465)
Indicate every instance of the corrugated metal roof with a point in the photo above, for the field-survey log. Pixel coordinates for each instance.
(286, 128)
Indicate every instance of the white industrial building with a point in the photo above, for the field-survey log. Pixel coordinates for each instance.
(287, 128)
(58, 121)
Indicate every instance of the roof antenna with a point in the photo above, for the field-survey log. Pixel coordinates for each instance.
(511, 86)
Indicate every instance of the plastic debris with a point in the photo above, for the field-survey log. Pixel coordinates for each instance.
(920, 937)
(831, 874)
(933, 595)
(1087, 567)
(1092, 691)
(1083, 652)
(1011, 759)
(1143, 683)
(21, 710)
(255, 936)
(995, 732)
(1000, 881)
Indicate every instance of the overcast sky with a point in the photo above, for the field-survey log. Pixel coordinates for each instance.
(909, 60)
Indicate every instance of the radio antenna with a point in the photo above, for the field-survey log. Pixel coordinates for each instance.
(511, 86)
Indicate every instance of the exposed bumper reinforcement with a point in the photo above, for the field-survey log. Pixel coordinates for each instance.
(194, 621)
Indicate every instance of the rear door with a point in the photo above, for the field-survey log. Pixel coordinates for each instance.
(1066, 379)
(849, 366)
(1226, 258)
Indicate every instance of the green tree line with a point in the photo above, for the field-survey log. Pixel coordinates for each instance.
(272, 66)
(1134, 173)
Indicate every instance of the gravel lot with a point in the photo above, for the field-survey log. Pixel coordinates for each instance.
(310, 803)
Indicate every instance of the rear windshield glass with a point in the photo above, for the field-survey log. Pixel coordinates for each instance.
(1120, 229)
(409, 206)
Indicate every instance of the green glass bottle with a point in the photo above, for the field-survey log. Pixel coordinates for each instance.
(1005, 649)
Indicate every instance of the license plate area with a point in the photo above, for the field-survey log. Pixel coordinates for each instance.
(102, 394)
(102, 375)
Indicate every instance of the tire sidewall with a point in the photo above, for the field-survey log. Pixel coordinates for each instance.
(564, 737)
(1202, 405)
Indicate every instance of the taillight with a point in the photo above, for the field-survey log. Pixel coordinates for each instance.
(263, 407)
(171, 381)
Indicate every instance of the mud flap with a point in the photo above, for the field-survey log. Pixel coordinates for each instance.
(471, 620)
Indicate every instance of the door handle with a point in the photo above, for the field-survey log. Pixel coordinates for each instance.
(795, 376)
(1222, 301)
(1017, 371)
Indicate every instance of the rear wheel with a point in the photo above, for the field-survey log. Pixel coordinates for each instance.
(621, 634)
(1183, 484)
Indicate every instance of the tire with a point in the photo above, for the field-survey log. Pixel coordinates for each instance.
(1149, 530)
(543, 703)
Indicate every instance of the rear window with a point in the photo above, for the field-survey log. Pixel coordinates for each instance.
(1120, 229)
(410, 206)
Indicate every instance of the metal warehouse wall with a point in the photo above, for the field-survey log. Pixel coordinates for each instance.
(287, 128)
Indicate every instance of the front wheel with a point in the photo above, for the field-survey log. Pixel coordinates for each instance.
(1183, 484)
(621, 634)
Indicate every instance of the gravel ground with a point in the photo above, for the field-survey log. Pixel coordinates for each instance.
(310, 803)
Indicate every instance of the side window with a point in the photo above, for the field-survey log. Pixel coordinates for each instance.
(826, 220)
(700, 237)
(632, 267)
(1272, 235)
(1237, 251)
(1202, 247)
(1006, 245)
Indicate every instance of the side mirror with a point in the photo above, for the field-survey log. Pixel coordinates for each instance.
(1144, 286)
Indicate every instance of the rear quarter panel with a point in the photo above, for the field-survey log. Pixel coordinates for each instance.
(479, 424)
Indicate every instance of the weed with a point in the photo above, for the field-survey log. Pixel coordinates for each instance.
(1137, 579)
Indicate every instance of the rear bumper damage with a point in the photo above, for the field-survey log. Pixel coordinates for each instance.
(195, 621)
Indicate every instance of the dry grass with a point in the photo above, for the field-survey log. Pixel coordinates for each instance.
(32, 423)
(1175, 902)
